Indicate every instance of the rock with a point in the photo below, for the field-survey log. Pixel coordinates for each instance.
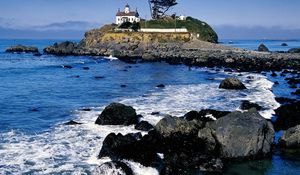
(37, 54)
(67, 67)
(263, 48)
(171, 125)
(206, 134)
(244, 135)
(291, 138)
(129, 147)
(123, 86)
(22, 49)
(61, 49)
(274, 74)
(143, 126)
(284, 44)
(155, 113)
(276, 83)
(232, 83)
(113, 168)
(160, 86)
(283, 100)
(246, 105)
(205, 115)
(293, 86)
(293, 80)
(99, 77)
(86, 109)
(294, 50)
(297, 92)
(86, 68)
(287, 116)
(117, 114)
(72, 122)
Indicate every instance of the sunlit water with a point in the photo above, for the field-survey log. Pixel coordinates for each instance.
(38, 96)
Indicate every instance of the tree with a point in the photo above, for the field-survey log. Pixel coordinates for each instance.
(159, 8)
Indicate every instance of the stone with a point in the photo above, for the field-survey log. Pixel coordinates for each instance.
(205, 115)
(143, 126)
(262, 48)
(246, 105)
(291, 138)
(117, 114)
(284, 44)
(62, 49)
(287, 116)
(244, 135)
(22, 49)
(232, 83)
(160, 86)
(113, 168)
(72, 122)
(294, 50)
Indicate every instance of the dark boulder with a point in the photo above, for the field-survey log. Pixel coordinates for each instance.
(246, 105)
(129, 147)
(294, 50)
(287, 116)
(86, 68)
(297, 92)
(161, 86)
(61, 49)
(293, 80)
(22, 49)
(291, 138)
(171, 125)
(143, 126)
(263, 48)
(284, 44)
(99, 77)
(232, 83)
(72, 122)
(243, 135)
(117, 114)
(113, 168)
(205, 115)
(284, 100)
(123, 86)
(67, 67)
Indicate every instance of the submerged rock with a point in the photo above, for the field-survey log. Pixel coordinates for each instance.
(262, 48)
(246, 105)
(287, 116)
(291, 138)
(117, 114)
(284, 44)
(232, 83)
(22, 49)
(113, 168)
(244, 135)
(143, 126)
(72, 122)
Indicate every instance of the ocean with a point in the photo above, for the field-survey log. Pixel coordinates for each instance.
(38, 96)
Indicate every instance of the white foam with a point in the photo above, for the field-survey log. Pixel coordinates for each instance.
(74, 149)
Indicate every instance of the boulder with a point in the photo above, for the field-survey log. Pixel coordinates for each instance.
(61, 49)
(232, 83)
(284, 44)
(297, 92)
(284, 100)
(72, 122)
(143, 126)
(129, 147)
(117, 114)
(171, 125)
(294, 50)
(243, 135)
(246, 105)
(262, 48)
(113, 168)
(291, 138)
(205, 115)
(287, 116)
(22, 49)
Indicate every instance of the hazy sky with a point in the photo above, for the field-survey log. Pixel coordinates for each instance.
(267, 13)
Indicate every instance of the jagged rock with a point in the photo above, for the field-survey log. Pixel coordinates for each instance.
(22, 49)
(232, 83)
(171, 125)
(61, 49)
(117, 114)
(284, 44)
(291, 138)
(72, 122)
(160, 86)
(129, 147)
(287, 116)
(113, 168)
(244, 135)
(262, 48)
(143, 126)
(246, 105)
(205, 115)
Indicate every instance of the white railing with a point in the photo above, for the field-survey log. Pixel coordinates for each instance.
(181, 30)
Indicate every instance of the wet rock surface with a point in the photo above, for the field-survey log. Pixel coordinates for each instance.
(232, 83)
(22, 49)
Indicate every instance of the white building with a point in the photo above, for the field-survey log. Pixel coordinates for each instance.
(127, 16)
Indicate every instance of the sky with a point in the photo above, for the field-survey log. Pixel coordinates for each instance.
(35, 14)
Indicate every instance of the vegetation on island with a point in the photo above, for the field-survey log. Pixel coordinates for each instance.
(159, 8)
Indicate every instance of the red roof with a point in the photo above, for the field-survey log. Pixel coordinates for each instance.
(128, 14)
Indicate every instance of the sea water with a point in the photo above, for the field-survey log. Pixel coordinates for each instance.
(38, 95)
